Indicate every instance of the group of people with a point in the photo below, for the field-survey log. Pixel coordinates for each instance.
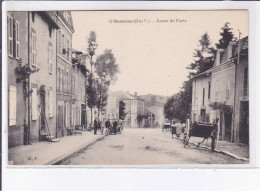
(99, 125)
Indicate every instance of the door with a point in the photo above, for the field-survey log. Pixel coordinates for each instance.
(83, 115)
(203, 115)
(60, 122)
(228, 126)
(244, 123)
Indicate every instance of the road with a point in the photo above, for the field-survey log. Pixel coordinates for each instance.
(145, 146)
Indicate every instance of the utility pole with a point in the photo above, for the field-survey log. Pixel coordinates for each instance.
(234, 111)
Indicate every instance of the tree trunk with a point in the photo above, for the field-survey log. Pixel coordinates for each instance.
(91, 119)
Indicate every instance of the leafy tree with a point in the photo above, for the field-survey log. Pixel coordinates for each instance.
(106, 66)
(122, 112)
(106, 69)
(91, 94)
(102, 89)
(226, 36)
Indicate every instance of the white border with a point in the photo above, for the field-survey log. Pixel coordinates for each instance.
(86, 178)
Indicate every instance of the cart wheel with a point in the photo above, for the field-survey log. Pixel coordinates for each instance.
(213, 143)
(185, 141)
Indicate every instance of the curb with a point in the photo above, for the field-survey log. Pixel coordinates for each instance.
(60, 159)
(220, 151)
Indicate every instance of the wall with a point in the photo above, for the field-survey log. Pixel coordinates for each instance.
(44, 77)
(16, 132)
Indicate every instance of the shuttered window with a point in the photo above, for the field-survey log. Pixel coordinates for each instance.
(34, 104)
(12, 105)
(10, 36)
(51, 103)
(17, 40)
(50, 58)
(33, 46)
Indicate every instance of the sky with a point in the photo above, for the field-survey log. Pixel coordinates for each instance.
(153, 54)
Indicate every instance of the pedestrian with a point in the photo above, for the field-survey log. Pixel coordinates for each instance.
(108, 125)
(95, 126)
(99, 125)
(115, 126)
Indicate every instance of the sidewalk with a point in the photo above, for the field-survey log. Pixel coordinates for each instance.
(237, 150)
(42, 153)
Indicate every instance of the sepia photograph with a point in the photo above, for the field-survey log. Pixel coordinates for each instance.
(117, 88)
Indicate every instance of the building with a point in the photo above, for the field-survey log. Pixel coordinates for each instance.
(64, 72)
(32, 37)
(112, 107)
(222, 92)
(155, 104)
(17, 24)
(78, 82)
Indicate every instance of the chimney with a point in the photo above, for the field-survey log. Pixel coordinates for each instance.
(217, 60)
(230, 49)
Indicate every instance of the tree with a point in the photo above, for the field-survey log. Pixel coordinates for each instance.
(102, 90)
(106, 69)
(204, 56)
(226, 36)
(122, 112)
(106, 66)
(91, 94)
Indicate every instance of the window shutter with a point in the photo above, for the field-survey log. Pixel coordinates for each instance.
(34, 104)
(11, 36)
(51, 103)
(17, 40)
(12, 105)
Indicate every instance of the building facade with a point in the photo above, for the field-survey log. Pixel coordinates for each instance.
(31, 38)
(17, 24)
(222, 92)
(64, 72)
(78, 82)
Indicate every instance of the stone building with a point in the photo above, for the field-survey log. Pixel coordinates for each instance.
(155, 104)
(64, 72)
(222, 92)
(32, 37)
(17, 46)
(78, 82)
(112, 108)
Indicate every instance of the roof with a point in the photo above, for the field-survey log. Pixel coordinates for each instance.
(243, 51)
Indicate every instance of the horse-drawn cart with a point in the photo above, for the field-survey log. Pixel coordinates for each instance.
(203, 130)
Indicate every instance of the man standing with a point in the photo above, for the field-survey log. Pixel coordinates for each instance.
(115, 126)
(107, 124)
(95, 126)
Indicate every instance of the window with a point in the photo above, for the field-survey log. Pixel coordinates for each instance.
(217, 88)
(10, 36)
(58, 80)
(51, 104)
(61, 80)
(50, 58)
(33, 46)
(209, 88)
(228, 89)
(62, 43)
(67, 82)
(13, 38)
(203, 96)
(17, 39)
(34, 104)
(12, 105)
(68, 51)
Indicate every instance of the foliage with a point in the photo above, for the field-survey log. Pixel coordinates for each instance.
(23, 73)
(204, 56)
(92, 44)
(122, 112)
(227, 109)
(91, 92)
(106, 66)
(102, 95)
(226, 35)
